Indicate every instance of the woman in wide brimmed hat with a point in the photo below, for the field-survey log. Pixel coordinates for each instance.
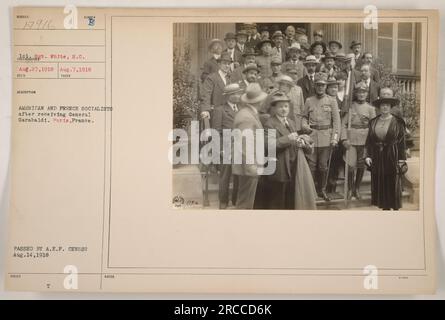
(291, 185)
(334, 46)
(215, 48)
(318, 49)
(386, 155)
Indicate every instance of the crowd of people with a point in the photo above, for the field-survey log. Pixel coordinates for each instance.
(325, 107)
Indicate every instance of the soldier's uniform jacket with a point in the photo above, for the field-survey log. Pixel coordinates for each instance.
(361, 114)
(323, 118)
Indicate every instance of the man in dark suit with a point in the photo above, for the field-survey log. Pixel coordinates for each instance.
(213, 86)
(373, 91)
(307, 82)
(236, 55)
(211, 65)
(254, 37)
(279, 192)
(222, 119)
(247, 121)
(249, 57)
(280, 48)
(241, 39)
(356, 49)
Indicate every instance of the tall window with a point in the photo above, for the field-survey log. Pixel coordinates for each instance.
(396, 46)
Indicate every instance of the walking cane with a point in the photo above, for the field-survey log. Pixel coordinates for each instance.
(331, 149)
(206, 202)
(348, 92)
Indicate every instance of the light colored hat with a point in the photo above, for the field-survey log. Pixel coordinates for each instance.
(286, 79)
(311, 59)
(231, 89)
(318, 33)
(277, 33)
(251, 66)
(214, 41)
(350, 57)
(336, 42)
(342, 57)
(294, 46)
(253, 94)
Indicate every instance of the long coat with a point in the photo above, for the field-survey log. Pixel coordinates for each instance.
(246, 119)
(291, 165)
(209, 67)
(307, 86)
(222, 117)
(386, 181)
(212, 92)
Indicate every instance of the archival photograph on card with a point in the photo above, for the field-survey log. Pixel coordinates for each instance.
(297, 116)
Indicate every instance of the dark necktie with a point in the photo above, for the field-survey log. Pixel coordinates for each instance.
(286, 124)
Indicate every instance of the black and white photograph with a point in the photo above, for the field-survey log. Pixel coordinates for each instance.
(333, 110)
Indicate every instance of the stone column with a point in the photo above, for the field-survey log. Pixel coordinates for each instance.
(354, 31)
(335, 31)
(187, 34)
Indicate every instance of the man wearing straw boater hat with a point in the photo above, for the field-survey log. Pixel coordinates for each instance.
(222, 118)
(293, 54)
(307, 83)
(247, 123)
(321, 113)
(354, 140)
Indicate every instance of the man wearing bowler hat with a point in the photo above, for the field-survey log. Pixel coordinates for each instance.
(323, 117)
(293, 54)
(280, 47)
(247, 123)
(251, 75)
(222, 118)
(241, 39)
(235, 55)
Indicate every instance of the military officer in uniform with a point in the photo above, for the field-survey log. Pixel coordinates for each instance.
(361, 113)
(321, 113)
